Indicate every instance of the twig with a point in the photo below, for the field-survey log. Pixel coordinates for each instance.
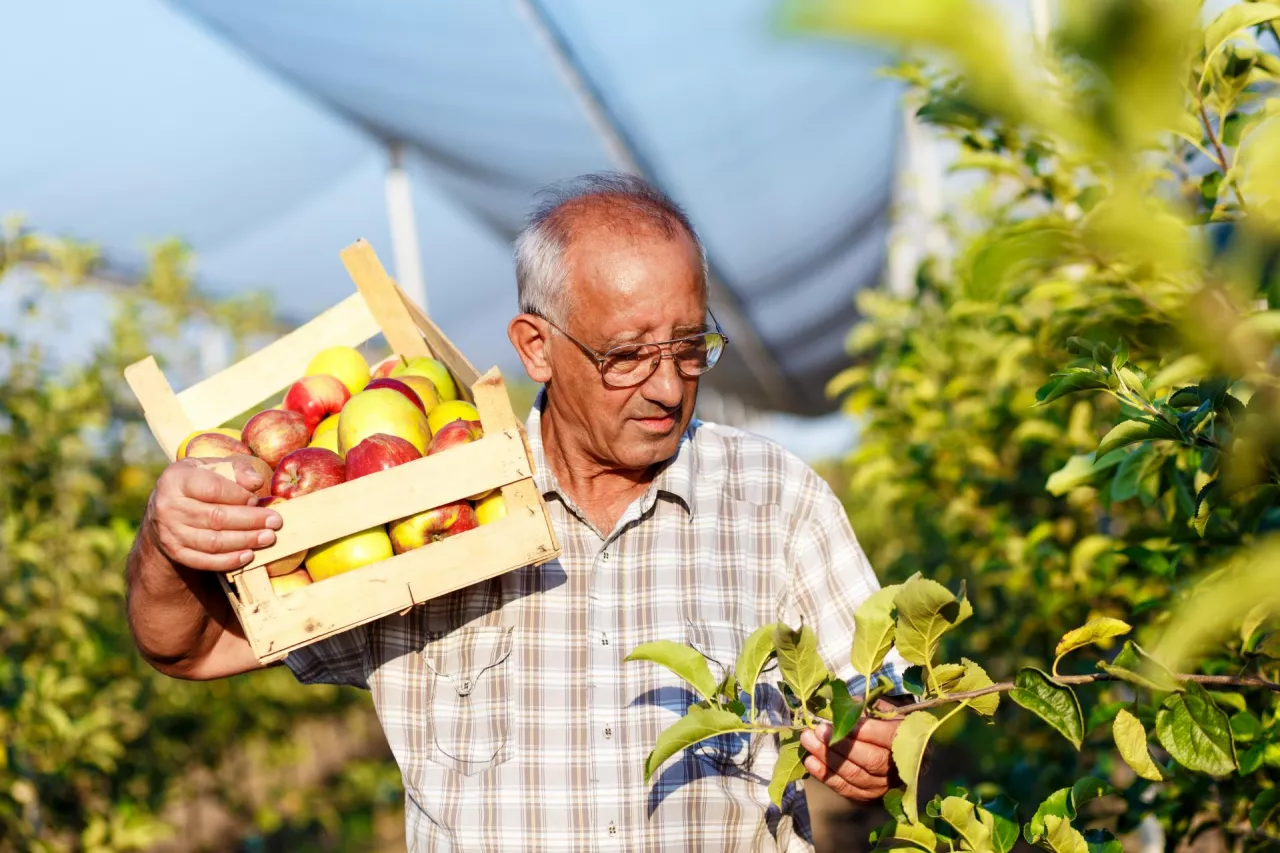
(1213, 137)
(1006, 686)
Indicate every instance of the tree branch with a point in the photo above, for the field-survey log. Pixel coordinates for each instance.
(1006, 686)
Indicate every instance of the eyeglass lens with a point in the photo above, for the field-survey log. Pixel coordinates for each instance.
(633, 364)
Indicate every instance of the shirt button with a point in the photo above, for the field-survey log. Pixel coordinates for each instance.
(605, 556)
(613, 829)
(608, 731)
(604, 639)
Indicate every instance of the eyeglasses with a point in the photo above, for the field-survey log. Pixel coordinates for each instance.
(629, 365)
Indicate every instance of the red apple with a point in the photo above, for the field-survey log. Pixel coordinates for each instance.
(274, 434)
(307, 470)
(397, 385)
(316, 397)
(383, 368)
(453, 434)
(213, 445)
(432, 526)
(379, 452)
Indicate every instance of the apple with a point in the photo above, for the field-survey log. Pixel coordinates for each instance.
(399, 387)
(383, 368)
(381, 410)
(274, 434)
(490, 509)
(453, 434)
(433, 370)
(450, 411)
(379, 452)
(263, 469)
(348, 553)
(326, 425)
(316, 398)
(307, 470)
(287, 583)
(432, 526)
(327, 439)
(284, 565)
(424, 388)
(345, 363)
(182, 448)
(213, 445)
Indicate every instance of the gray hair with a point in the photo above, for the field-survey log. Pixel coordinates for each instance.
(628, 201)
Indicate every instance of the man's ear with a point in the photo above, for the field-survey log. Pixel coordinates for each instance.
(528, 334)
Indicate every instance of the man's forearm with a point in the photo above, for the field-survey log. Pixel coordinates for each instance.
(176, 614)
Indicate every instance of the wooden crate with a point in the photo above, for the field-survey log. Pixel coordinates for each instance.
(276, 625)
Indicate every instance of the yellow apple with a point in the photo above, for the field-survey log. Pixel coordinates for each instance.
(182, 448)
(329, 423)
(346, 363)
(433, 370)
(287, 583)
(349, 552)
(453, 410)
(381, 410)
(327, 439)
(491, 509)
(424, 388)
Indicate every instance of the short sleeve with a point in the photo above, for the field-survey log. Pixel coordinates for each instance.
(831, 577)
(340, 659)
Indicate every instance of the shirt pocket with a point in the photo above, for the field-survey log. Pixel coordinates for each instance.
(471, 702)
(721, 643)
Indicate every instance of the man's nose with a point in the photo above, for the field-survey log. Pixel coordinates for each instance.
(665, 387)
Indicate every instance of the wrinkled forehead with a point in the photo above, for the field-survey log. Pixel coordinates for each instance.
(612, 268)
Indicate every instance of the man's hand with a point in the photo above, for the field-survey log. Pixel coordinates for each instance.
(201, 520)
(860, 766)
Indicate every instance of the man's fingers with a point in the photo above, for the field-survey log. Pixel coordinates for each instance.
(218, 542)
(194, 559)
(207, 487)
(871, 757)
(842, 786)
(878, 732)
(208, 516)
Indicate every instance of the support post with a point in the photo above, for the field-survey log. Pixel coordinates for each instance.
(404, 230)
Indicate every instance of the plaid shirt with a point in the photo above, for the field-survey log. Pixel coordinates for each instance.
(517, 725)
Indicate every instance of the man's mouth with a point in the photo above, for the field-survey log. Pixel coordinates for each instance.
(658, 424)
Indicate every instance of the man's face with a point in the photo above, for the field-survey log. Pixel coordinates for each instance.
(627, 289)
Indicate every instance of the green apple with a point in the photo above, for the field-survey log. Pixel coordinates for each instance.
(433, 370)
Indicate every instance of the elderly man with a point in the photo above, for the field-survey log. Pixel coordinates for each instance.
(509, 707)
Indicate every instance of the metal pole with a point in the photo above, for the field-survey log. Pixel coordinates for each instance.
(625, 156)
(404, 230)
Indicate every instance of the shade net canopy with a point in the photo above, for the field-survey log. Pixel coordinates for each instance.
(258, 132)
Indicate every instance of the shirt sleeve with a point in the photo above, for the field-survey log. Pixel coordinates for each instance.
(340, 659)
(830, 578)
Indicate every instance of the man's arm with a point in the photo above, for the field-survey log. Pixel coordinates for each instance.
(197, 524)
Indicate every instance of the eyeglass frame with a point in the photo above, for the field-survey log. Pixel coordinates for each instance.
(664, 350)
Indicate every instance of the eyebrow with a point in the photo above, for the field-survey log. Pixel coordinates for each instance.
(630, 338)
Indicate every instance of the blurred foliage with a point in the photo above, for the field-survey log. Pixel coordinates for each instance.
(96, 744)
(1114, 283)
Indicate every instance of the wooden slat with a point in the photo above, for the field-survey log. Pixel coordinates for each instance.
(355, 598)
(494, 403)
(386, 302)
(463, 372)
(253, 379)
(163, 409)
(323, 516)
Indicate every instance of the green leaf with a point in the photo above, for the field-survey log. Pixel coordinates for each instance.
(908, 748)
(1252, 758)
(1131, 740)
(1102, 628)
(789, 768)
(1103, 714)
(964, 818)
(1069, 382)
(1062, 837)
(976, 678)
(697, 726)
(1101, 841)
(1004, 823)
(684, 661)
(1080, 470)
(1233, 20)
(1264, 806)
(1057, 804)
(755, 654)
(845, 711)
(1086, 789)
(873, 630)
(1245, 726)
(1129, 432)
(1133, 473)
(802, 668)
(1054, 703)
(1137, 667)
(1196, 732)
(899, 835)
(926, 611)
